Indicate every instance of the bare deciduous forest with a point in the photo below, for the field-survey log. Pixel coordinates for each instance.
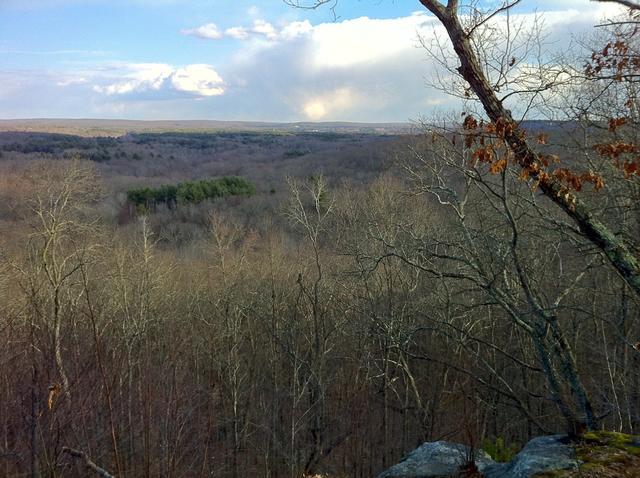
(474, 278)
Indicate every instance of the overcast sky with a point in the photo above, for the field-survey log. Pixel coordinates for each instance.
(233, 59)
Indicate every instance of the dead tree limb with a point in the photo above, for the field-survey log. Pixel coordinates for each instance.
(87, 461)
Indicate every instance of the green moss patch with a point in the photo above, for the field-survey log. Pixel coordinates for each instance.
(499, 450)
(603, 455)
(621, 441)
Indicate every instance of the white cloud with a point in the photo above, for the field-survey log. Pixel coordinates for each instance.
(265, 28)
(138, 77)
(73, 80)
(295, 29)
(209, 31)
(365, 40)
(362, 69)
(202, 80)
(330, 104)
(197, 79)
(239, 33)
(259, 29)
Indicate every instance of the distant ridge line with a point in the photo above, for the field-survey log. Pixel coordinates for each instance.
(115, 127)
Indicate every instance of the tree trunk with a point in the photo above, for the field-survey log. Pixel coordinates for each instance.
(613, 247)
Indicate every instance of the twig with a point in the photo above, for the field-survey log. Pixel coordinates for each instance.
(625, 3)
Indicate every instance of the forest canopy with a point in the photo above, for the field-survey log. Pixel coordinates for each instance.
(476, 281)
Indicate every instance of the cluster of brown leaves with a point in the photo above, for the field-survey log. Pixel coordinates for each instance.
(616, 60)
(619, 153)
(624, 154)
(576, 181)
(615, 123)
(619, 61)
(489, 144)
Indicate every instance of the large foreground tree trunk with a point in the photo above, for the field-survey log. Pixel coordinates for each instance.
(622, 259)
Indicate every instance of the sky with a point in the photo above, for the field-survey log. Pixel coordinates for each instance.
(237, 59)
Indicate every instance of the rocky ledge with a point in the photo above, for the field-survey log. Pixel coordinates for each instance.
(595, 454)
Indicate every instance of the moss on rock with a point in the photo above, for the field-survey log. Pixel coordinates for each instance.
(603, 454)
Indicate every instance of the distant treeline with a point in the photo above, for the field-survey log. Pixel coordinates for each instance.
(190, 192)
(56, 143)
(205, 140)
(53, 143)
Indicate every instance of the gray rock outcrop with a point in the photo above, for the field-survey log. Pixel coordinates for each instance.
(540, 454)
(442, 459)
(436, 460)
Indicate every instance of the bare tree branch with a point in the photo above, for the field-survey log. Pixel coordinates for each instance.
(87, 461)
(626, 3)
(497, 11)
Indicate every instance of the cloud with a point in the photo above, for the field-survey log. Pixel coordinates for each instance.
(209, 31)
(365, 40)
(239, 33)
(74, 80)
(330, 104)
(201, 80)
(262, 27)
(295, 29)
(259, 29)
(303, 75)
(361, 69)
(365, 69)
(137, 77)
(197, 80)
